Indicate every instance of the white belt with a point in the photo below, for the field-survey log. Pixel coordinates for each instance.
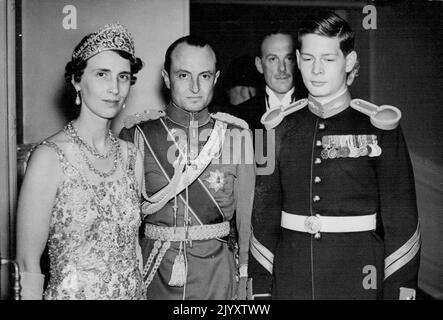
(201, 232)
(318, 223)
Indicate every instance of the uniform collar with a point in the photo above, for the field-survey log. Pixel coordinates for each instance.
(331, 107)
(273, 101)
(183, 118)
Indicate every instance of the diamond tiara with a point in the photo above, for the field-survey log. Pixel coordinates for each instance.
(112, 36)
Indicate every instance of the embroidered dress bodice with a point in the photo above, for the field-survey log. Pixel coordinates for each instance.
(93, 234)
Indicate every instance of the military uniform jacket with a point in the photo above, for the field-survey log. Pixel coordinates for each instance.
(311, 179)
(211, 266)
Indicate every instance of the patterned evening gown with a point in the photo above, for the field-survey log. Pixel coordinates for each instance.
(93, 234)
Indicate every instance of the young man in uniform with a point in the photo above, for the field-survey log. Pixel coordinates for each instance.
(349, 224)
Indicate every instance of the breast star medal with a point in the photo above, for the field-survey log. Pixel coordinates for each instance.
(216, 180)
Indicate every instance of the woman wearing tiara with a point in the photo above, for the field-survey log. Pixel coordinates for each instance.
(80, 194)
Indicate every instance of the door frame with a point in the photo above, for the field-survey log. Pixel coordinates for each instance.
(8, 140)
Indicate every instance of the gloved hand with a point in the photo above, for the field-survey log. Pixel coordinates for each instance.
(32, 285)
(241, 289)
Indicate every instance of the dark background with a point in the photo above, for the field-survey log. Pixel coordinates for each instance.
(400, 66)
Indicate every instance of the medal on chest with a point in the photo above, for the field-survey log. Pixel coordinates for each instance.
(216, 180)
(350, 146)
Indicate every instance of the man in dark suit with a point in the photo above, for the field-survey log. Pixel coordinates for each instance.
(275, 59)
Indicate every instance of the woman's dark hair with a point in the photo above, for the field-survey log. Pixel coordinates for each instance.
(328, 24)
(77, 66)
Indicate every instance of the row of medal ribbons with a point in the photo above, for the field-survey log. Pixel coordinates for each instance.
(350, 146)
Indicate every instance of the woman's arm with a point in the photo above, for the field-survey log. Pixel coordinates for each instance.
(35, 203)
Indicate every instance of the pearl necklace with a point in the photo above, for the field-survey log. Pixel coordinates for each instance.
(74, 138)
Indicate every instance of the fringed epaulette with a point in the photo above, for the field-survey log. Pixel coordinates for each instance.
(228, 118)
(136, 118)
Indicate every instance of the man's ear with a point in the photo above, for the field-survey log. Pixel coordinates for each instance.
(217, 74)
(351, 60)
(166, 79)
(258, 64)
(297, 53)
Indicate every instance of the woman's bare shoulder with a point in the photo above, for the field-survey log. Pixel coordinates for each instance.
(47, 153)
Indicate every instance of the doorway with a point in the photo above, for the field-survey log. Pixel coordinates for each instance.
(8, 159)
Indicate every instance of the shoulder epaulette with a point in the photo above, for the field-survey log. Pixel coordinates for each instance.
(229, 118)
(274, 116)
(136, 118)
(384, 117)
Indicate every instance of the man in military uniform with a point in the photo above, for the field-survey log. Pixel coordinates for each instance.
(349, 225)
(199, 169)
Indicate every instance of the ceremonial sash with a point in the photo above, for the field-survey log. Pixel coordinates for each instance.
(204, 208)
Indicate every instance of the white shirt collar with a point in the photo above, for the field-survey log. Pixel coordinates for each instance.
(273, 101)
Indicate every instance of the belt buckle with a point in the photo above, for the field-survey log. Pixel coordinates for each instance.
(313, 224)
